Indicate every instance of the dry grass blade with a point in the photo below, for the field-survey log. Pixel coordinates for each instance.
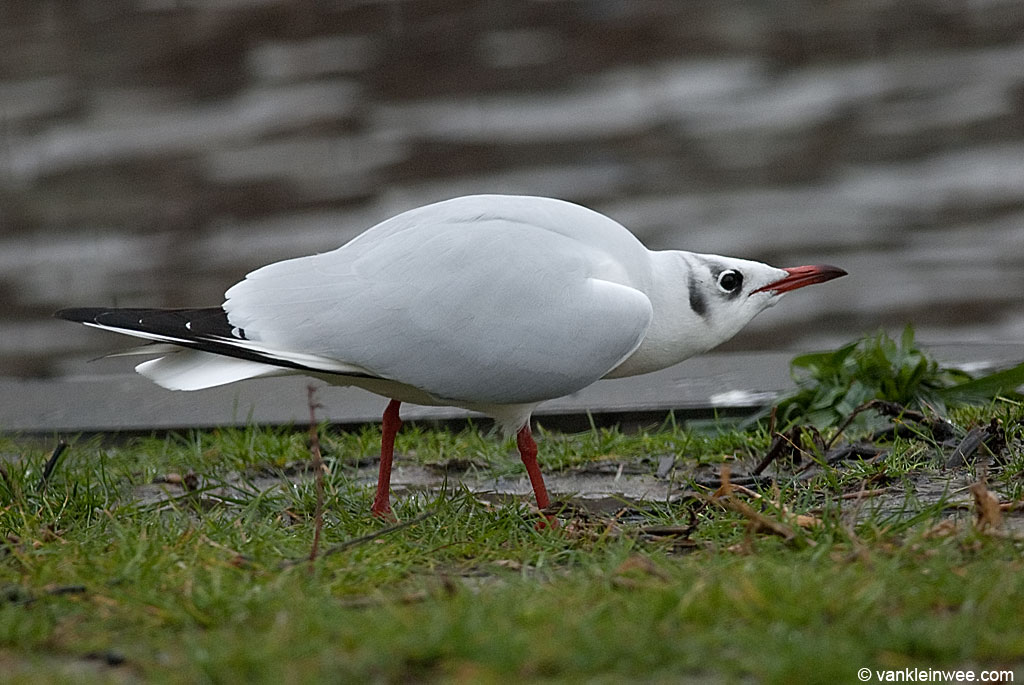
(758, 521)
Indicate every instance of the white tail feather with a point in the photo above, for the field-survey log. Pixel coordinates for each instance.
(192, 370)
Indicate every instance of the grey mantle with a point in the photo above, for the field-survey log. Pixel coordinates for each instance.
(123, 401)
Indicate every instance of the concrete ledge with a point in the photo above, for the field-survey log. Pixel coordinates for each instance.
(123, 401)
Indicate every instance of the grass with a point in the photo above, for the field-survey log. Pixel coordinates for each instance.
(108, 577)
(831, 384)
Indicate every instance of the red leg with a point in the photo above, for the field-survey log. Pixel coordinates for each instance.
(391, 423)
(528, 452)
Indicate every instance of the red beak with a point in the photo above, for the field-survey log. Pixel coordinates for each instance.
(799, 276)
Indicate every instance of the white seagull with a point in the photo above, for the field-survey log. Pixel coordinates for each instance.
(492, 303)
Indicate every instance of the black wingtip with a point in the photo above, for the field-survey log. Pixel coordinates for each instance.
(203, 329)
(79, 314)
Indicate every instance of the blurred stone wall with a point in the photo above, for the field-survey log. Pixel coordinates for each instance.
(153, 151)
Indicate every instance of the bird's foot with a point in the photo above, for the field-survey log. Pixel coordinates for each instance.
(547, 522)
(383, 512)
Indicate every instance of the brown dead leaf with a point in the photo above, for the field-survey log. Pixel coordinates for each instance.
(807, 521)
(987, 514)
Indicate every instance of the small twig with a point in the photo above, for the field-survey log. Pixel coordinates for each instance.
(318, 468)
(818, 439)
(774, 450)
(866, 453)
(851, 451)
(849, 419)
(734, 487)
(779, 442)
(713, 483)
(51, 464)
(341, 547)
(678, 531)
(894, 411)
(789, 439)
(757, 521)
(369, 537)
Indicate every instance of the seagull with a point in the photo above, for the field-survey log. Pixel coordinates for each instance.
(492, 303)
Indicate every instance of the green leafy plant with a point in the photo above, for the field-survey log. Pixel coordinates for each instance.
(830, 385)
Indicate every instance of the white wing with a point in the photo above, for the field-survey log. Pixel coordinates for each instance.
(485, 299)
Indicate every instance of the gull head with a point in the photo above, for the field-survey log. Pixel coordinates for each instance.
(725, 293)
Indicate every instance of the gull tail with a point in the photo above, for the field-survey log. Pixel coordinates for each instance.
(186, 369)
(200, 348)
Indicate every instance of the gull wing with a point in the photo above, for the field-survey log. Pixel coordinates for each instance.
(479, 302)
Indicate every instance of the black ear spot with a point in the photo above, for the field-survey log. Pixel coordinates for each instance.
(730, 281)
(698, 304)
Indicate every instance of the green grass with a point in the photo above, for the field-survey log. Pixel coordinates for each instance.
(102, 581)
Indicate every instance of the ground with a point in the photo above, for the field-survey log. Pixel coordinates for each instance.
(185, 557)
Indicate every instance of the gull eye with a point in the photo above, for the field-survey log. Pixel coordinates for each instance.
(730, 281)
